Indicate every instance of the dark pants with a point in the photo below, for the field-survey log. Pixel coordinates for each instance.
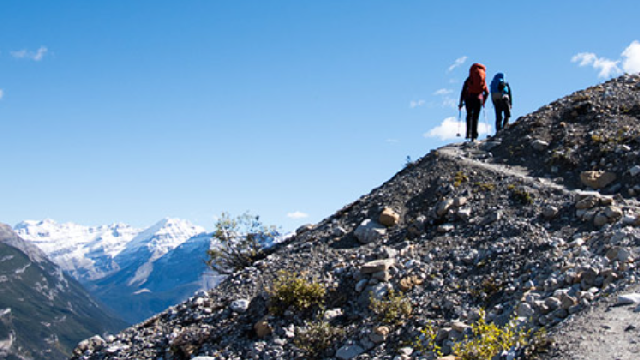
(473, 106)
(502, 107)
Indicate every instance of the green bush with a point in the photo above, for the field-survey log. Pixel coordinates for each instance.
(240, 242)
(392, 308)
(317, 336)
(490, 339)
(291, 290)
(459, 178)
(522, 196)
(426, 341)
(488, 187)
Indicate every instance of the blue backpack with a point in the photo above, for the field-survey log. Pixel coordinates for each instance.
(499, 85)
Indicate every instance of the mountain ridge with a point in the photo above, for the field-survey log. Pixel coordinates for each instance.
(539, 222)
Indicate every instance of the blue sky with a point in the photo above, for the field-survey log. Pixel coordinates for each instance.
(132, 111)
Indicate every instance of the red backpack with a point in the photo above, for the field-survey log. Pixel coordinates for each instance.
(476, 83)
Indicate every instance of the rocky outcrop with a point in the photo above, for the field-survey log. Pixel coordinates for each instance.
(486, 227)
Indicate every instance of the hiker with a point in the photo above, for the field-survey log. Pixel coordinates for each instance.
(502, 99)
(474, 94)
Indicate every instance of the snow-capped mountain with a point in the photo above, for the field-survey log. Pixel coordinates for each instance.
(85, 252)
(137, 272)
(44, 312)
(88, 252)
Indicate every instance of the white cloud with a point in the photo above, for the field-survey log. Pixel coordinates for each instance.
(449, 102)
(484, 129)
(606, 66)
(447, 130)
(630, 62)
(33, 55)
(450, 127)
(459, 61)
(631, 55)
(443, 92)
(297, 215)
(1, 94)
(416, 103)
(40, 53)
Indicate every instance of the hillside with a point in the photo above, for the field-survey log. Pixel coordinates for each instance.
(539, 222)
(43, 312)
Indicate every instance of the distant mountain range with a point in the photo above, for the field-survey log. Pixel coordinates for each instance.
(44, 312)
(136, 272)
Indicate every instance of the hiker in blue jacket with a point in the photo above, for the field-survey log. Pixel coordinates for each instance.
(502, 98)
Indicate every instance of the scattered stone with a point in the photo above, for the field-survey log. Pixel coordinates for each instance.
(370, 231)
(379, 334)
(597, 179)
(389, 217)
(240, 306)
(377, 266)
(633, 298)
(262, 328)
(613, 212)
(443, 207)
(405, 351)
(550, 212)
(459, 201)
(539, 145)
(303, 229)
(600, 219)
(349, 351)
(459, 326)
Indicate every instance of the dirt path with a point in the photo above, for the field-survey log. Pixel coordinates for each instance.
(469, 154)
(605, 331)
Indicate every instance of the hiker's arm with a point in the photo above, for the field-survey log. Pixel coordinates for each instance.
(462, 93)
(485, 94)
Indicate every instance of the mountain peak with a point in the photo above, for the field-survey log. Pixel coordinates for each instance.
(163, 236)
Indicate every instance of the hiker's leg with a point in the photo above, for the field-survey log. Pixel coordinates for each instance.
(498, 107)
(507, 113)
(477, 106)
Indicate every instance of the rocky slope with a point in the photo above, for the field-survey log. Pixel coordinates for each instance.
(539, 222)
(136, 272)
(43, 312)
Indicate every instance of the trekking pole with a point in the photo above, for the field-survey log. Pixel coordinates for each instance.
(459, 122)
(486, 124)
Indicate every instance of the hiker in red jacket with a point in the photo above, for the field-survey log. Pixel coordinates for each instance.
(473, 96)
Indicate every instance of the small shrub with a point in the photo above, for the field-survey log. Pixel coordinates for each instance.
(522, 196)
(459, 178)
(240, 242)
(291, 290)
(317, 336)
(426, 341)
(486, 186)
(489, 340)
(391, 308)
